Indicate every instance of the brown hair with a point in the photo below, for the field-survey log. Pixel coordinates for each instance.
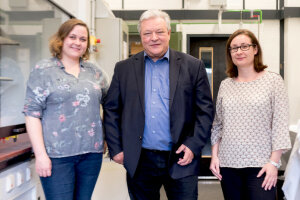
(56, 41)
(231, 68)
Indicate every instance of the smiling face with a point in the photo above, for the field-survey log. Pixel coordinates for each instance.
(75, 44)
(243, 58)
(155, 37)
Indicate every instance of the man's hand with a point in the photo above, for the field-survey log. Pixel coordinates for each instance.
(119, 158)
(188, 155)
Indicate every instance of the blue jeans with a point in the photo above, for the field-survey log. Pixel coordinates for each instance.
(242, 184)
(72, 177)
(152, 173)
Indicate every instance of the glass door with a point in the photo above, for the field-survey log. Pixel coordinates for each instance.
(25, 29)
(206, 54)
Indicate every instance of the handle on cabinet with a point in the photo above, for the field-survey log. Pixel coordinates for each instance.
(19, 130)
(6, 79)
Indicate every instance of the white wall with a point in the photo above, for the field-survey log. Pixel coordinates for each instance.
(292, 66)
(189, 4)
(260, 4)
(152, 4)
(205, 5)
(115, 4)
(269, 39)
(292, 3)
(32, 5)
(145, 5)
(231, 4)
(78, 8)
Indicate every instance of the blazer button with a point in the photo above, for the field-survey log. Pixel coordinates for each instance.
(140, 137)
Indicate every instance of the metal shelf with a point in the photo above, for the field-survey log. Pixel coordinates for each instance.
(7, 41)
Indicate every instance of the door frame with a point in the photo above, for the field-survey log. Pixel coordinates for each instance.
(204, 172)
(189, 36)
(212, 36)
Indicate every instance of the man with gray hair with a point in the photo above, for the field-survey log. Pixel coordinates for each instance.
(158, 114)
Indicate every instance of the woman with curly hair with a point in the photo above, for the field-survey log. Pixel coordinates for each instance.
(62, 112)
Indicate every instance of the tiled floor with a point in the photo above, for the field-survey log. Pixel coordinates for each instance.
(111, 185)
(207, 190)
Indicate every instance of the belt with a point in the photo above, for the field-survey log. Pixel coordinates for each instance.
(155, 150)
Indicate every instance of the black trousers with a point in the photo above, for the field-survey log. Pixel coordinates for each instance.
(242, 184)
(152, 173)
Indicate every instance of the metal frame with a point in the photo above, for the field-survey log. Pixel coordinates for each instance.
(211, 50)
(281, 50)
(287, 12)
(188, 40)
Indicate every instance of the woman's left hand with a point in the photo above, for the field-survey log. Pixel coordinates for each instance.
(271, 176)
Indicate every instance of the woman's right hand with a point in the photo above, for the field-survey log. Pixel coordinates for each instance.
(43, 166)
(215, 167)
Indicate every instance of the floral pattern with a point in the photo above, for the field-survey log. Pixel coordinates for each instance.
(69, 107)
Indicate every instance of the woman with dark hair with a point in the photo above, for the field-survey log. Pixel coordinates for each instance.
(250, 130)
(62, 112)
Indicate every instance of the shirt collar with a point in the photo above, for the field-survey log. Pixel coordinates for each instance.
(166, 56)
(60, 64)
(82, 63)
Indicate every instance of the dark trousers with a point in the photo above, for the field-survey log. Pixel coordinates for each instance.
(72, 177)
(242, 184)
(152, 173)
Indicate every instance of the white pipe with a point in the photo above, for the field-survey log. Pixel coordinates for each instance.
(258, 28)
(93, 15)
(220, 17)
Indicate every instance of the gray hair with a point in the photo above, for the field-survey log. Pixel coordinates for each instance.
(153, 14)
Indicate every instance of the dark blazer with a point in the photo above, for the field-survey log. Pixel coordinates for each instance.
(191, 110)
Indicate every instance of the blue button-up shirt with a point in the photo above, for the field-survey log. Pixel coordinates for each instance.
(157, 125)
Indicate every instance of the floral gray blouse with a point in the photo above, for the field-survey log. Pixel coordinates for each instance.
(69, 107)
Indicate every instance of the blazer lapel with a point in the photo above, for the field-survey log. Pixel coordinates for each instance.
(174, 74)
(139, 67)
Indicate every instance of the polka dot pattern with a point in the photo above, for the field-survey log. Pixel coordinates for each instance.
(251, 121)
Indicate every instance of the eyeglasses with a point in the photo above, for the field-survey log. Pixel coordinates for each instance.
(244, 47)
